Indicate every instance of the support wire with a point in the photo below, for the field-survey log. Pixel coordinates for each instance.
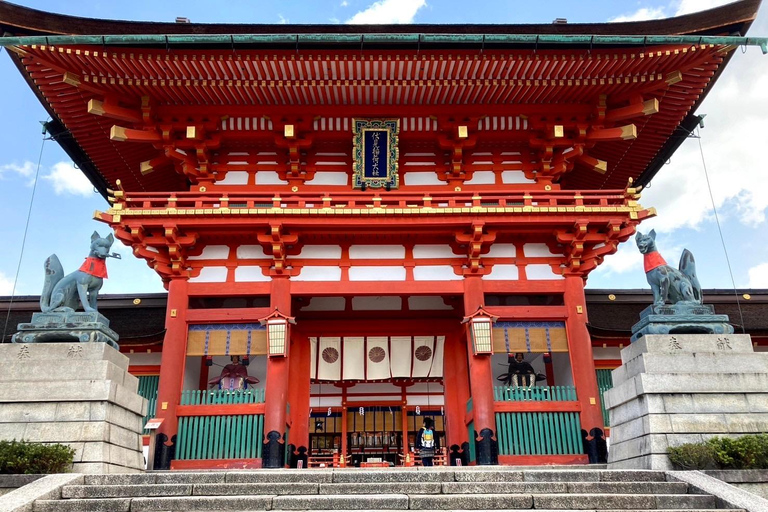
(720, 231)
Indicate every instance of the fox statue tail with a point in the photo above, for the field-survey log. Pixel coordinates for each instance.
(53, 274)
(688, 267)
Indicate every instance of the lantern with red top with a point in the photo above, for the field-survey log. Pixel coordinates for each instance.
(480, 327)
(278, 333)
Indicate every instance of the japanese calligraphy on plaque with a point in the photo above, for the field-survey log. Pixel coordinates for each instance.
(375, 153)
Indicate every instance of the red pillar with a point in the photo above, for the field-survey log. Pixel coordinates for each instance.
(456, 386)
(481, 383)
(580, 351)
(273, 451)
(298, 395)
(171, 370)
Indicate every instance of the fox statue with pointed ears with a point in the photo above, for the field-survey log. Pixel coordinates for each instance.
(62, 292)
(668, 283)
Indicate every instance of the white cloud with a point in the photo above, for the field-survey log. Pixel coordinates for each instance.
(283, 20)
(68, 180)
(758, 276)
(689, 6)
(344, 3)
(6, 285)
(388, 11)
(644, 13)
(26, 170)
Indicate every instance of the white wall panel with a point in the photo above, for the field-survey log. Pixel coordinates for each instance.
(502, 251)
(433, 251)
(427, 303)
(482, 178)
(503, 273)
(537, 251)
(435, 273)
(541, 272)
(250, 274)
(323, 273)
(252, 252)
(212, 252)
(377, 273)
(320, 252)
(326, 304)
(422, 178)
(210, 275)
(514, 177)
(329, 178)
(376, 252)
(269, 178)
(377, 303)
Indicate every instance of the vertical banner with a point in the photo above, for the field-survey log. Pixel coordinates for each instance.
(313, 358)
(437, 359)
(353, 358)
(329, 362)
(377, 358)
(401, 362)
(423, 352)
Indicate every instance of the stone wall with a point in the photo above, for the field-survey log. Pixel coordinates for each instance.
(79, 394)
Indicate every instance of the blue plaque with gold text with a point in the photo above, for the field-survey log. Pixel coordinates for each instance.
(375, 153)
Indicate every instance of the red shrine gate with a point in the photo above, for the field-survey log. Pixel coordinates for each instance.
(374, 220)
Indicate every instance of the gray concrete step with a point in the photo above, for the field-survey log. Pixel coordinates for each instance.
(564, 487)
(383, 488)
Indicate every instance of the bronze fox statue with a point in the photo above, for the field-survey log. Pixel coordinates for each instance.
(62, 292)
(668, 283)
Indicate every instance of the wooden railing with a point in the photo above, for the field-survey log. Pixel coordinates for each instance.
(539, 433)
(244, 201)
(221, 397)
(148, 389)
(534, 394)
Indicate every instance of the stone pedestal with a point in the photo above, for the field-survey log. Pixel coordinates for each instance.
(67, 326)
(79, 394)
(680, 318)
(676, 389)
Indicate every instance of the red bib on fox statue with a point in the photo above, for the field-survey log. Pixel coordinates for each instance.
(653, 260)
(95, 267)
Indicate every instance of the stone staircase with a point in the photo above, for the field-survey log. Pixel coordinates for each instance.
(496, 488)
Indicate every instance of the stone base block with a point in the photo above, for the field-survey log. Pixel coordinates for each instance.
(75, 394)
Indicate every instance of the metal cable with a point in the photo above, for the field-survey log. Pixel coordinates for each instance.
(720, 230)
(24, 239)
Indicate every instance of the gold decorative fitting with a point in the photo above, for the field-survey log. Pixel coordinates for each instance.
(559, 131)
(136, 301)
(611, 297)
(463, 132)
(203, 189)
(288, 131)
(547, 187)
(173, 313)
(294, 189)
(457, 189)
(747, 296)
(579, 309)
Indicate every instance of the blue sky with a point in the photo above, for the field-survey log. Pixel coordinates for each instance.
(733, 142)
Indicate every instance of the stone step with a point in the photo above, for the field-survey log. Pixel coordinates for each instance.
(352, 476)
(84, 505)
(382, 488)
(623, 501)
(564, 487)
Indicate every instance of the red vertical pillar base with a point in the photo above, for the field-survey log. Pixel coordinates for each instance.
(171, 372)
(456, 375)
(298, 398)
(582, 360)
(273, 447)
(481, 384)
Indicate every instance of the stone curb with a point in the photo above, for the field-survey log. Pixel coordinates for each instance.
(46, 488)
(730, 496)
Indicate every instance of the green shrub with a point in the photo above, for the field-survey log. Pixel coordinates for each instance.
(745, 452)
(693, 456)
(22, 457)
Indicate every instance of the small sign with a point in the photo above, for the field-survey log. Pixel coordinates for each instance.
(154, 424)
(375, 153)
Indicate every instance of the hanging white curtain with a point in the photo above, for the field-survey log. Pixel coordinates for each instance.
(437, 360)
(377, 358)
(400, 362)
(313, 358)
(353, 357)
(423, 352)
(329, 360)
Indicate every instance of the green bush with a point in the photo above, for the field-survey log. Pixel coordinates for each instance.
(745, 452)
(22, 457)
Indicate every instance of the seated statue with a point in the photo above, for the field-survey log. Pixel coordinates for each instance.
(233, 377)
(520, 372)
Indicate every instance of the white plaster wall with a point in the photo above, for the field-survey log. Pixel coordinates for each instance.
(376, 273)
(427, 303)
(502, 251)
(320, 273)
(537, 251)
(435, 273)
(144, 358)
(606, 353)
(377, 303)
(250, 274)
(502, 273)
(192, 373)
(561, 364)
(515, 177)
(432, 251)
(212, 252)
(329, 178)
(234, 178)
(541, 272)
(422, 178)
(252, 252)
(320, 252)
(326, 304)
(269, 178)
(429, 400)
(376, 252)
(211, 275)
(482, 178)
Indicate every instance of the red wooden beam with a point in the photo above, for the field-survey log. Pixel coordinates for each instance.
(528, 312)
(628, 132)
(121, 134)
(219, 410)
(537, 406)
(233, 315)
(644, 108)
(144, 369)
(109, 109)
